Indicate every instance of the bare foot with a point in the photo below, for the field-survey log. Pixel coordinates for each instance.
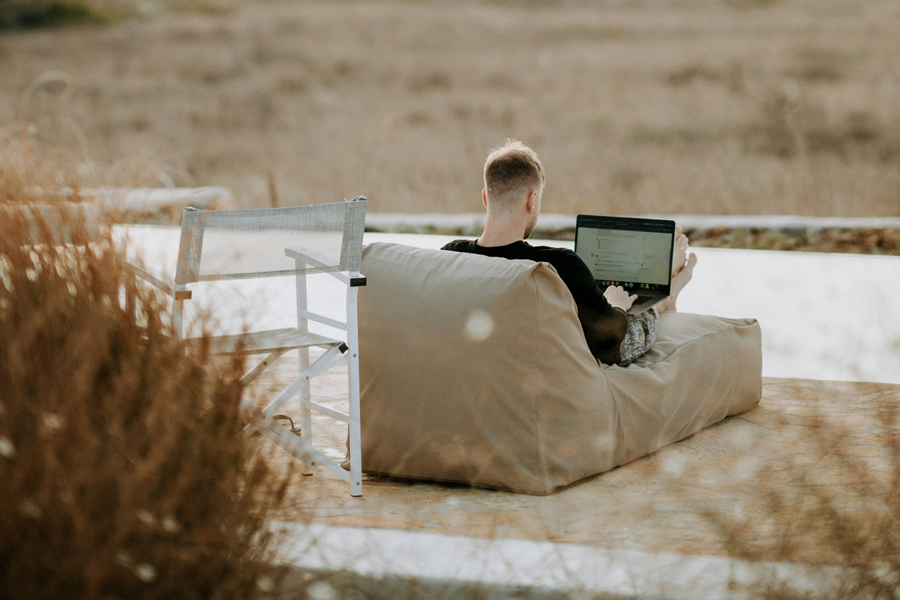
(679, 282)
(679, 251)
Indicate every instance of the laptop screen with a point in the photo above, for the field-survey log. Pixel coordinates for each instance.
(633, 253)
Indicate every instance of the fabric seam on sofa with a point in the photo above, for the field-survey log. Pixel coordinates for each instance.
(540, 467)
(679, 347)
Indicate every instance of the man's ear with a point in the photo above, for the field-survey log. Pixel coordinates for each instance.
(531, 201)
(484, 196)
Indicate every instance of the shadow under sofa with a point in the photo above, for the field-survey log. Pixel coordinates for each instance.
(475, 370)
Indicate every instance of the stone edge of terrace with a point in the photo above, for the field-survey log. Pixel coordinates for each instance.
(472, 223)
(867, 235)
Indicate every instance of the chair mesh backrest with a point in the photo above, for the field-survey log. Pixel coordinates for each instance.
(241, 244)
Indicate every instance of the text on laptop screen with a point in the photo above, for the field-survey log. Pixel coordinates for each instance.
(620, 255)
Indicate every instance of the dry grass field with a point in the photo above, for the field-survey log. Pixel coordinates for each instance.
(108, 487)
(652, 106)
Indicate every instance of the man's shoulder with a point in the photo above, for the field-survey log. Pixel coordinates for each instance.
(459, 246)
(563, 259)
(570, 267)
(552, 254)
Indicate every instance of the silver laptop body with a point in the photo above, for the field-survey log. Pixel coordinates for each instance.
(633, 253)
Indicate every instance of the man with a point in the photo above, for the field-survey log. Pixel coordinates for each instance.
(513, 185)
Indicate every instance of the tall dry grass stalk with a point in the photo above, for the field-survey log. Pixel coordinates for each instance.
(123, 469)
(24, 178)
(841, 511)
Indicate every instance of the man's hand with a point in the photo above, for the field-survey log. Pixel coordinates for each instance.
(618, 297)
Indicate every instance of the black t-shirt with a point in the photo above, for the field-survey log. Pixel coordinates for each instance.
(604, 325)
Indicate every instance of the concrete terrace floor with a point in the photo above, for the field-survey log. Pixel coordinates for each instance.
(737, 490)
(666, 502)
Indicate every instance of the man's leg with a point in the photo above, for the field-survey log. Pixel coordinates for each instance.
(639, 336)
(679, 251)
(679, 282)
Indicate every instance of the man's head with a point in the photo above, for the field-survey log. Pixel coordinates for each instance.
(513, 182)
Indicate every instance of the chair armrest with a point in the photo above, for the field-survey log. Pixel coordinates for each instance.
(320, 261)
(162, 281)
(311, 257)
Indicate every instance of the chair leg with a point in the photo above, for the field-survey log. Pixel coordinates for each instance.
(305, 396)
(355, 437)
(305, 413)
(177, 318)
(353, 384)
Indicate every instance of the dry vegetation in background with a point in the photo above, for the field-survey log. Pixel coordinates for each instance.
(123, 469)
(697, 106)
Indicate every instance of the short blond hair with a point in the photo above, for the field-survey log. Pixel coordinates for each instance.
(511, 170)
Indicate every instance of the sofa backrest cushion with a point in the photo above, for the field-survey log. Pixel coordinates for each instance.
(472, 369)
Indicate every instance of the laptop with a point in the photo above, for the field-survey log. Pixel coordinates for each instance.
(633, 253)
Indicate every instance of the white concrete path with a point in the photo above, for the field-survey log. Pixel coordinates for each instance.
(823, 316)
(574, 570)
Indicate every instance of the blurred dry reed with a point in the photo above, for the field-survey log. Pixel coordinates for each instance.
(123, 469)
(844, 512)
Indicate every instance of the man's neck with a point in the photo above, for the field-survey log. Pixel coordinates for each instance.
(494, 236)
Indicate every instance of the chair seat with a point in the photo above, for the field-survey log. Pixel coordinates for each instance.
(266, 341)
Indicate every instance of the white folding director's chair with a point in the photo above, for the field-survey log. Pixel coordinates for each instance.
(244, 244)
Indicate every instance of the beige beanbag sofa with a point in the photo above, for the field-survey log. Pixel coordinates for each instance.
(475, 370)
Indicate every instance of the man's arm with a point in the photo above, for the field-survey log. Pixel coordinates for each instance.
(603, 320)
